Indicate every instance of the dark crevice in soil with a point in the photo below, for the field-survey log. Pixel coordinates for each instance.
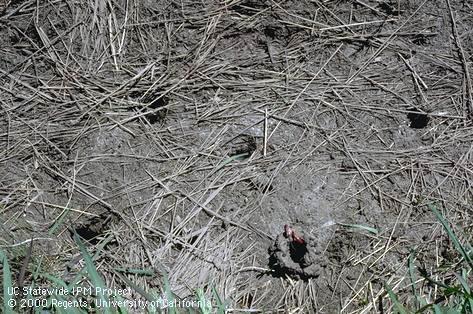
(417, 119)
(296, 260)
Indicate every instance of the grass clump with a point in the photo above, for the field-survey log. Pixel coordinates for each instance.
(62, 297)
(454, 292)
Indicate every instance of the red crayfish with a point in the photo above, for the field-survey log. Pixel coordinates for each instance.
(291, 234)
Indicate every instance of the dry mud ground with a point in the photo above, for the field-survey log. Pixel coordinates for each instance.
(179, 137)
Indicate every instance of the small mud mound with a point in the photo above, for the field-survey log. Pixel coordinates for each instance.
(295, 256)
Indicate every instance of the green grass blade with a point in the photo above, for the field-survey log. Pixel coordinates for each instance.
(413, 278)
(230, 159)
(92, 272)
(59, 221)
(452, 236)
(204, 304)
(470, 297)
(83, 272)
(446, 310)
(137, 288)
(449, 290)
(468, 300)
(464, 284)
(398, 306)
(7, 284)
(59, 283)
(221, 307)
(169, 294)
